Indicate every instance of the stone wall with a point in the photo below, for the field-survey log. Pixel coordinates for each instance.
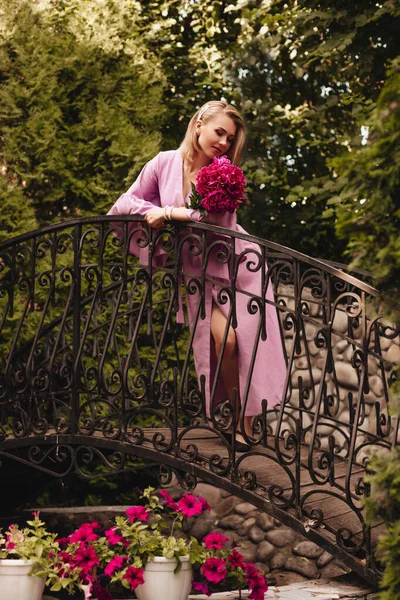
(286, 556)
(349, 339)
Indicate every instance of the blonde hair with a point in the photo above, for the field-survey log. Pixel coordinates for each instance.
(190, 145)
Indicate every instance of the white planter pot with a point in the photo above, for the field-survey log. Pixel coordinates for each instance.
(161, 583)
(16, 583)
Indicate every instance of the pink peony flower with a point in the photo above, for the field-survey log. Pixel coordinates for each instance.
(221, 186)
(86, 558)
(189, 506)
(168, 500)
(85, 533)
(135, 577)
(236, 559)
(214, 569)
(215, 540)
(202, 587)
(137, 513)
(114, 564)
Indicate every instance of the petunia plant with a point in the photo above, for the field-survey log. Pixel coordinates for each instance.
(31, 543)
(92, 560)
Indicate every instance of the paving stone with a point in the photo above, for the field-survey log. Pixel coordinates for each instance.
(244, 508)
(225, 506)
(286, 578)
(307, 549)
(324, 559)
(262, 567)
(202, 527)
(265, 551)
(334, 570)
(249, 551)
(281, 537)
(249, 522)
(231, 521)
(278, 560)
(302, 565)
(211, 493)
(256, 534)
(265, 522)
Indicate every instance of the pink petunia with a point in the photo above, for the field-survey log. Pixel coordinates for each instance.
(114, 564)
(236, 559)
(86, 558)
(135, 577)
(204, 503)
(215, 540)
(168, 500)
(114, 538)
(137, 513)
(258, 591)
(100, 593)
(214, 570)
(85, 533)
(190, 506)
(202, 587)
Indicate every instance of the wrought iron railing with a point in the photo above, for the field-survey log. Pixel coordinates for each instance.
(94, 366)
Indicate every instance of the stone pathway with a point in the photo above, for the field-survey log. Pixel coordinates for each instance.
(310, 590)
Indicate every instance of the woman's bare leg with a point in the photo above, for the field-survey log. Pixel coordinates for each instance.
(229, 364)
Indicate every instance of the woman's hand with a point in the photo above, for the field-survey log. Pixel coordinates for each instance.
(155, 217)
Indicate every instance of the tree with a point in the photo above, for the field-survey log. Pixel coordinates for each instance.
(81, 100)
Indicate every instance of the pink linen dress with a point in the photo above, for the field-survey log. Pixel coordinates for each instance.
(160, 183)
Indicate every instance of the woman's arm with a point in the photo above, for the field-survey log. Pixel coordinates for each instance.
(142, 196)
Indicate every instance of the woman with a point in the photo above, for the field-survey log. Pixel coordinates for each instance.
(160, 193)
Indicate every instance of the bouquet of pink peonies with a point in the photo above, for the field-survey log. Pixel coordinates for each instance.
(219, 187)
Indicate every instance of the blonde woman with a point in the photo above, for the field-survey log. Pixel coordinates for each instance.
(160, 193)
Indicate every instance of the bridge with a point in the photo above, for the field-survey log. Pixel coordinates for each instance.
(97, 369)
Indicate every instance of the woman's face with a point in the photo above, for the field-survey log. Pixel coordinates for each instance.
(216, 136)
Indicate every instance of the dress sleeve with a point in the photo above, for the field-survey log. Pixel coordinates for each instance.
(142, 195)
(224, 219)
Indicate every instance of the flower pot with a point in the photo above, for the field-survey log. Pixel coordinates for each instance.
(16, 583)
(160, 581)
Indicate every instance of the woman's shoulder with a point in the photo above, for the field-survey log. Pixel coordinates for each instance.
(168, 155)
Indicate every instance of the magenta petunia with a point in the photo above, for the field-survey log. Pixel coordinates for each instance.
(85, 533)
(215, 540)
(190, 506)
(137, 513)
(204, 503)
(202, 587)
(259, 589)
(214, 570)
(86, 558)
(168, 500)
(114, 538)
(114, 564)
(236, 559)
(100, 593)
(135, 577)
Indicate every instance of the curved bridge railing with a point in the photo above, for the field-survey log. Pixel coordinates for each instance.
(95, 368)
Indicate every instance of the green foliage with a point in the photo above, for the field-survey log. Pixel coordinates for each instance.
(384, 504)
(81, 103)
(368, 203)
(17, 214)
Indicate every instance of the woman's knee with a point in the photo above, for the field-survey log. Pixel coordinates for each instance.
(229, 348)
